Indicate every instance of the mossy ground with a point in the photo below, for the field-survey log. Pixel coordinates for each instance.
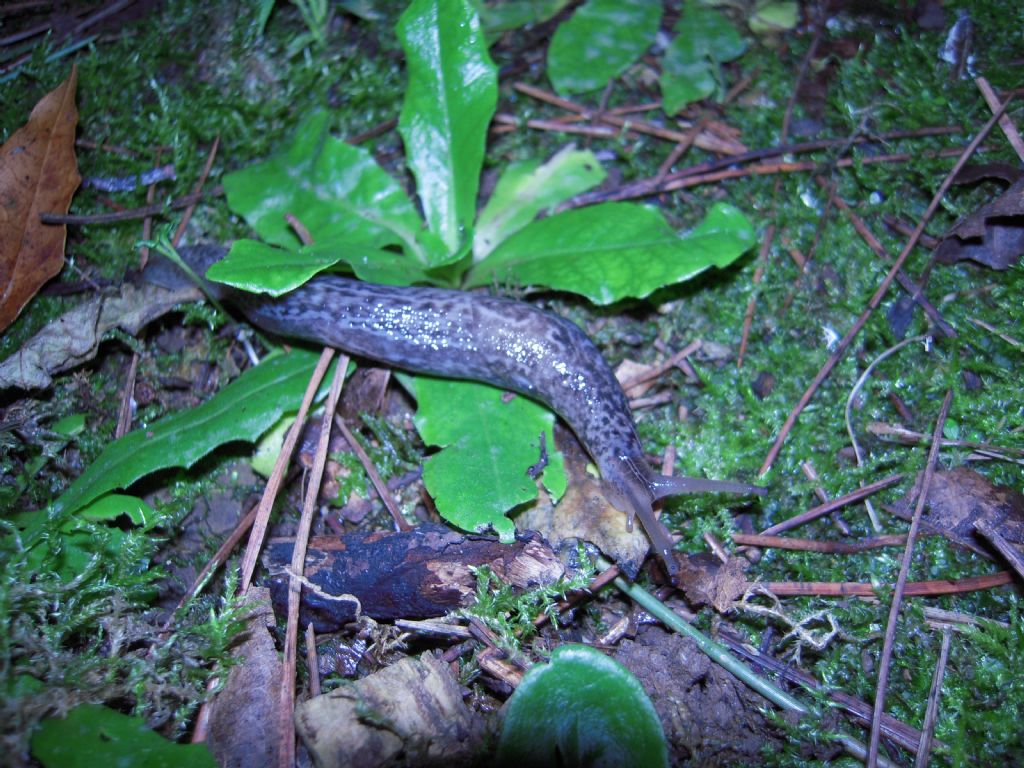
(194, 71)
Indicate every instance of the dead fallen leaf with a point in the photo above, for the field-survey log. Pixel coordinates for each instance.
(708, 581)
(410, 713)
(960, 498)
(583, 513)
(38, 174)
(74, 337)
(993, 235)
(244, 716)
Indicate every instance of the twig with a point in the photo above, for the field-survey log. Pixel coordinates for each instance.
(824, 509)
(312, 664)
(901, 581)
(914, 291)
(286, 709)
(259, 528)
(197, 192)
(814, 545)
(133, 213)
(748, 314)
(124, 415)
(1005, 123)
(848, 411)
(811, 474)
(912, 589)
(706, 170)
(1006, 549)
(657, 370)
(375, 478)
(876, 299)
(931, 712)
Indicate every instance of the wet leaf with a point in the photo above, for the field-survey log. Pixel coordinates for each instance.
(599, 41)
(92, 735)
(993, 235)
(704, 39)
(504, 15)
(38, 174)
(613, 251)
(527, 189)
(261, 268)
(489, 442)
(243, 410)
(449, 101)
(337, 191)
(582, 709)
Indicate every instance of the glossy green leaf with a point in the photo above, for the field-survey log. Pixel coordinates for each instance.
(689, 69)
(528, 188)
(614, 251)
(260, 268)
(504, 15)
(599, 41)
(92, 735)
(774, 16)
(449, 101)
(581, 709)
(488, 444)
(337, 191)
(69, 426)
(243, 410)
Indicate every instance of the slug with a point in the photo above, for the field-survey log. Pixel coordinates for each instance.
(499, 341)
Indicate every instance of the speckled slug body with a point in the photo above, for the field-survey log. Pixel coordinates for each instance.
(507, 343)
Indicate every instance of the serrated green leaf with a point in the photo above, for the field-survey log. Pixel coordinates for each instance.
(92, 735)
(526, 189)
(488, 445)
(599, 41)
(614, 251)
(336, 190)
(255, 266)
(450, 98)
(689, 69)
(581, 709)
(243, 410)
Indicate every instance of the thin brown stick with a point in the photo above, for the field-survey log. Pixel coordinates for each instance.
(824, 509)
(901, 581)
(124, 414)
(646, 187)
(286, 709)
(912, 589)
(1005, 123)
(883, 288)
(197, 191)
(1011, 553)
(657, 370)
(680, 149)
(924, 748)
(312, 664)
(703, 140)
(748, 314)
(814, 545)
(132, 213)
(259, 528)
(915, 291)
(596, 584)
(375, 478)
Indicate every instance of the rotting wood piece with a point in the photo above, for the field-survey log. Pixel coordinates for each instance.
(417, 574)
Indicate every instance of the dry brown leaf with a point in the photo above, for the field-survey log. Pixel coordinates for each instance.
(993, 235)
(38, 174)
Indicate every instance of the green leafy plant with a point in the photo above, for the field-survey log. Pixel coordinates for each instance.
(92, 735)
(511, 612)
(361, 220)
(581, 709)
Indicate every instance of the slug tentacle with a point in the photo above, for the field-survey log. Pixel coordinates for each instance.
(462, 335)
